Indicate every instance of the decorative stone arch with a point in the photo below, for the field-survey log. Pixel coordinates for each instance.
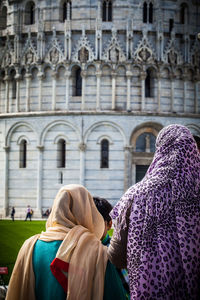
(112, 124)
(109, 65)
(21, 138)
(195, 129)
(74, 65)
(163, 68)
(61, 137)
(150, 127)
(55, 123)
(13, 128)
(33, 67)
(90, 64)
(105, 137)
(142, 160)
(60, 65)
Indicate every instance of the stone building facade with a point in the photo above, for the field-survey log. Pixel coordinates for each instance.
(85, 87)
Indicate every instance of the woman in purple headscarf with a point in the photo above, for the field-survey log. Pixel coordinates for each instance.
(157, 223)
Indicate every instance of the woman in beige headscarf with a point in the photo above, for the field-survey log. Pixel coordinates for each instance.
(69, 250)
(68, 260)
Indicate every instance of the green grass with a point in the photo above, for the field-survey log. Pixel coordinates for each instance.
(12, 236)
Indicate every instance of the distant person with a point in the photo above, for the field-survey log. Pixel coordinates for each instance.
(68, 260)
(104, 207)
(157, 222)
(46, 213)
(13, 213)
(197, 140)
(29, 213)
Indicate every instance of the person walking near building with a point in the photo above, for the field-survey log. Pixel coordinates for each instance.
(29, 213)
(13, 213)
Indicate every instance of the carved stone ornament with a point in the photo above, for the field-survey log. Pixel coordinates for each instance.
(7, 57)
(113, 52)
(55, 52)
(83, 55)
(195, 54)
(144, 51)
(29, 57)
(83, 51)
(29, 53)
(171, 54)
(54, 56)
(172, 57)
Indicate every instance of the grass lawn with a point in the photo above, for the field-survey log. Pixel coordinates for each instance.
(12, 236)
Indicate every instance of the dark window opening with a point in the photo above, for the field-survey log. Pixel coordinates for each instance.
(145, 12)
(23, 154)
(78, 83)
(3, 18)
(107, 11)
(67, 11)
(182, 15)
(148, 85)
(14, 84)
(151, 13)
(61, 154)
(104, 153)
(171, 25)
(30, 13)
(140, 172)
(60, 180)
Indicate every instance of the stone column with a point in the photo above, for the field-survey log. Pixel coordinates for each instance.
(7, 79)
(39, 180)
(142, 78)
(128, 103)
(17, 78)
(40, 78)
(127, 167)
(158, 91)
(172, 77)
(67, 76)
(54, 76)
(5, 194)
(114, 74)
(98, 75)
(82, 148)
(184, 92)
(83, 75)
(196, 94)
(28, 81)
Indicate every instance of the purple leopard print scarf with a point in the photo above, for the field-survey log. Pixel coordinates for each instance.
(163, 248)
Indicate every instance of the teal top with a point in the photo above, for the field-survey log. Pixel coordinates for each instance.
(44, 253)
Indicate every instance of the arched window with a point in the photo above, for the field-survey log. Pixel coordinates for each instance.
(184, 13)
(78, 82)
(149, 84)
(30, 13)
(23, 154)
(66, 11)
(171, 25)
(150, 13)
(145, 12)
(104, 153)
(13, 83)
(3, 18)
(61, 152)
(107, 11)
